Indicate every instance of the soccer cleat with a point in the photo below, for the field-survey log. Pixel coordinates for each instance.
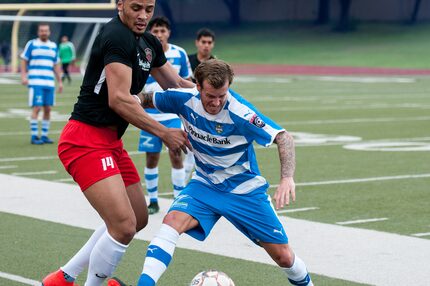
(35, 140)
(153, 208)
(58, 278)
(46, 140)
(115, 282)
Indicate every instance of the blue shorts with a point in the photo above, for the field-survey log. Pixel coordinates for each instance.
(153, 144)
(253, 214)
(41, 96)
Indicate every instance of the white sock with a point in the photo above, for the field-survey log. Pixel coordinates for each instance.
(178, 181)
(104, 258)
(159, 255)
(298, 274)
(81, 259)
(189, 163)
(45, 127)
(151, 181)
(34, 127)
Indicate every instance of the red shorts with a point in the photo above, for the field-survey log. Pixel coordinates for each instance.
(90, 154)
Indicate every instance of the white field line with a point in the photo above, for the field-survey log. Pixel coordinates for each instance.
(289, 123)
(361, 221)
(64, 180)
(356, 79)
(360, 180)
(298, 210)
(34, 173)
(356, 107)
(8, 167)
(421, 234)
(132, 153)
(19, 279)
(401, 254)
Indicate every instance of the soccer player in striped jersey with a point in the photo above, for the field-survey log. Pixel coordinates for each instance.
(222, 127)
(39, 68)
(149, 143)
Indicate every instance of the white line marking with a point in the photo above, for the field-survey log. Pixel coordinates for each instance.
(64, 180)
(8, 167)
(366, 79)
(34, 173)
(421, 234)
(355, 120)
(16, 159)
(297, 210)
(19, 279)
(361, 180)
(166, 194)
(361, 221)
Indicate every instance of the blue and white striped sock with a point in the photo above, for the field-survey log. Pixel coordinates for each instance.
(178, 181)
(159, 255)
(34, 127)
(298, 274)
(45, 127)
(151, 181)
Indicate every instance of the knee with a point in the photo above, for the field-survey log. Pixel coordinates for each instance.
(124, 230)
(284, 258)
(141, 223)
(176, 221)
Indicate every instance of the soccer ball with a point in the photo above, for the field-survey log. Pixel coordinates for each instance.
(211, 278)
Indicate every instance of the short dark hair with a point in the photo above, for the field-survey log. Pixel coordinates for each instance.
(215, 71)
(160, 22)
(42, 24)
(205, 32)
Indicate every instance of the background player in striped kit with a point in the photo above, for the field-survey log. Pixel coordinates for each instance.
(39, 65)
(222, 127)
(152, 145)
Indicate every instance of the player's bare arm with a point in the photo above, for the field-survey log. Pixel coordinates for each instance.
(118, 78)
(286, 187)
(24, 78)
(57, 72)
(167, 77)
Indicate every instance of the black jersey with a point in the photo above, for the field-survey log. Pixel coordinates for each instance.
(115, 43)
(194, 61)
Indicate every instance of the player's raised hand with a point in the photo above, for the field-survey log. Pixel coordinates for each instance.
(282, 194)
(176, 139)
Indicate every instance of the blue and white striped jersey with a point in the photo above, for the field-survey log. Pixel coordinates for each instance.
(222, 143)
(41, 58)
(179, 60)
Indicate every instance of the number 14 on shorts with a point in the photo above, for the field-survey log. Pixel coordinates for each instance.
(107, 162)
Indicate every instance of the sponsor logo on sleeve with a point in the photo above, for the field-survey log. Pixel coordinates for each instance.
(257, 121)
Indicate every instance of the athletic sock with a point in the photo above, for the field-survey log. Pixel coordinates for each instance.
(45, 127)
(151, 181)
(189, 163)
(298, 274)
(178, 181)
(34, 127)
(81, 259)
(104, 258)
(159, 255)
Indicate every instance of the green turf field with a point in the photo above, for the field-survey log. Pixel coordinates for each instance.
(371, 45)
(316, 109)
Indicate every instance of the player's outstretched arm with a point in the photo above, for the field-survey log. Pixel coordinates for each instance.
(118, 77)
(167, 77)
(287, 156)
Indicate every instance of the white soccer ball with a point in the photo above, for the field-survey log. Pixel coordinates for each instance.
(211, 278)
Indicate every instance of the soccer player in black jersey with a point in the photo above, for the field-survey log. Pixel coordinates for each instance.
(205, 42)
(90, 146)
